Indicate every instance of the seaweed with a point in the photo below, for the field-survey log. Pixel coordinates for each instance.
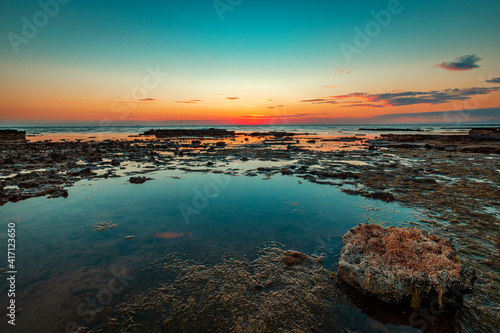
(267, 294)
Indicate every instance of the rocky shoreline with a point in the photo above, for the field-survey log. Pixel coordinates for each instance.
(454, 180)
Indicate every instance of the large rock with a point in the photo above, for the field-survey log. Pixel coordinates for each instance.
(170, 133)
(400, 264)
(12, 135)
(486, 131)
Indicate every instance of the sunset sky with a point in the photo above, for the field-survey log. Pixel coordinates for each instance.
(249, 62)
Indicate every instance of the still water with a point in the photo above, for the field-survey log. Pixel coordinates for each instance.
(63, 262)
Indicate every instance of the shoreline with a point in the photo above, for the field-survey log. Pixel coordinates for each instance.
(439, 178)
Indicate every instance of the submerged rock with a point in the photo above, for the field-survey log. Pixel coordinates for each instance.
(138, 180)
(402, 264)
(293, 258)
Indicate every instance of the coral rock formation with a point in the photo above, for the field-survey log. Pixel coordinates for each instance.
(401, 264)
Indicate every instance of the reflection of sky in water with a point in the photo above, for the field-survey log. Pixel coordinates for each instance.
(55, 236)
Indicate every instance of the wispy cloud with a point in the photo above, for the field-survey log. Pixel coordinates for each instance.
(340, 71)
(297, 115)
(232, 98)
(191, 101)
(473, 115)
(319, 101)
(363, 105)
(494, 80)
(138, 101)
(400, 98)
(463, 63)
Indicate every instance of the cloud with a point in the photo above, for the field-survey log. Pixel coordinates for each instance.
(149, 99)
(401, 98)
(232, 98)
(363, 104)
(218, 94)
(319, 101)
(494, 80)
(297, 115)
(191, 101)
(340, 71)
(463, 63)
(469, 115)
(277, 106)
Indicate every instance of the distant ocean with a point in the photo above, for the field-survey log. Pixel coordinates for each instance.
(311, 129)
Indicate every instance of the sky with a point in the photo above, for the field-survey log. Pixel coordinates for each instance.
(249, 62)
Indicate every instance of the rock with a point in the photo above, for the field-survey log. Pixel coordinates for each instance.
(12, 135)
(311, 141)
(85, 171)
(57, 157)
(59, 193)
(129, 237)
(384, 196)
(211, 132)
(220, 144)
(138, 180)
(402, 264)
(485, 131)
(286, 171)
(293, 258)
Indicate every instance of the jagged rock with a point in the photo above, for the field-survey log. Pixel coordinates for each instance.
(138, 180)
(12, 135)
(220, 144)
(485, 131)
(211, 132)
(384, 196)
(293, 258)
(84, 171)
(401, 264)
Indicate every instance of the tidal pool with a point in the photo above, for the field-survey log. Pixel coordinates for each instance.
(66, 269)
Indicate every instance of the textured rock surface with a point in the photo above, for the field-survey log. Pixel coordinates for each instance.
(398, 264)
(138, 180)
(12, 135)
(211, 132)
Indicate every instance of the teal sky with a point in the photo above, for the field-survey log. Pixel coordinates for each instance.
(268, 54)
